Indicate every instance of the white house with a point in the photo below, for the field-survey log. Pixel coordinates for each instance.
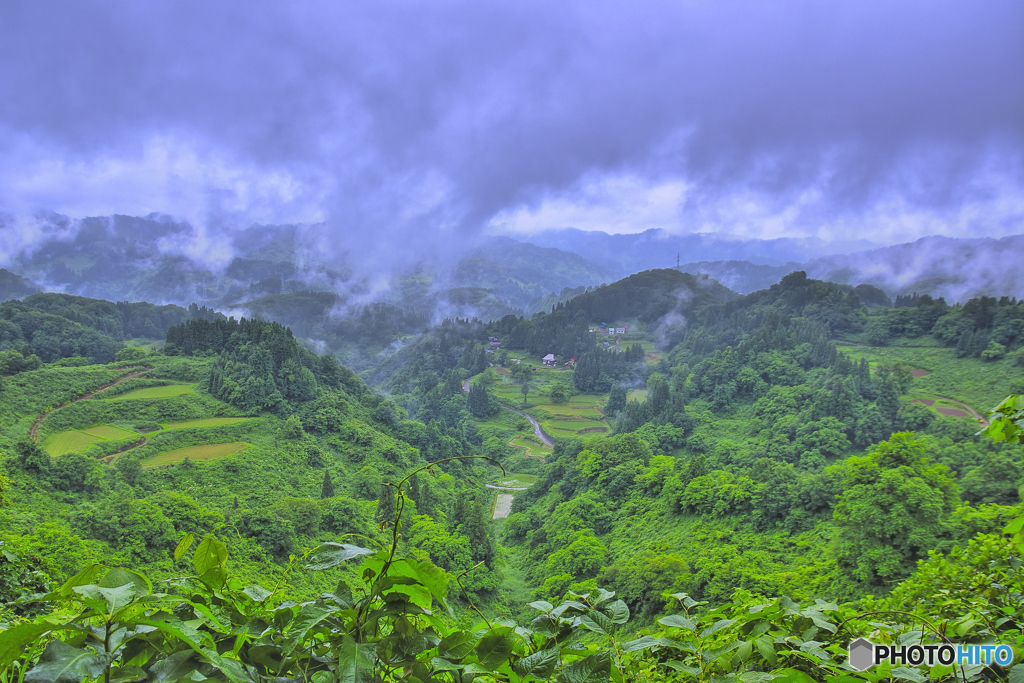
(549, 359)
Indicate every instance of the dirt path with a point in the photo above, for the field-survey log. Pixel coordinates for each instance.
(33, 431)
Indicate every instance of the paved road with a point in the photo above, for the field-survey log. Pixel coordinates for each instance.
(541, 434)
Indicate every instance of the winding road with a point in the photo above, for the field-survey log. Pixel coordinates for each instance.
(537, 429)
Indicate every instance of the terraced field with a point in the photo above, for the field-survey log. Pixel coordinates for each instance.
(74, 440)
(166, 391)
(195, 453)
(206, 422)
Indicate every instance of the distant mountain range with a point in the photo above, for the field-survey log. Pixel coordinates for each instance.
(135, 258)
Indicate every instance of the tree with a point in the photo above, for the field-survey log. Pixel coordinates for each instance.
(31, 457)
(892, 511)
(616, 400)
(559, 393)
(327, 488)
(479, 401)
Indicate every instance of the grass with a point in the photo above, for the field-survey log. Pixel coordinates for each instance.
(110, 432)
(195, 453)
(70, 441)
(166, 391)
(206, 422)
(637, 395)
(979, 384)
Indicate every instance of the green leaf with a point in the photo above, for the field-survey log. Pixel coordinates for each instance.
(717, 626)
(355, 662)
(644, 643)
(677, 621)
(457, 645)
(757, 676)
(766, 646)
(308, 617)
(210, 554)
(14, 640)
(495, 647)
(540, 664)
(61, 663)
(173, 667)
(542, 605)
(86, 576)
(332, 554)
(819, 620)
(442, 664)
(908, 674)
(593, 669)
(434, 578)
(1017, 673)
(597, 622)
(113, 598)
(183, 546)
(257, 593)
(118, 576)
(618, 611)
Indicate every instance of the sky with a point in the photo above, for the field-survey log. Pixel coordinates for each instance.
(407, 127)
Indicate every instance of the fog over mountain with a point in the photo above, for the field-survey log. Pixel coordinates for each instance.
(402, 131)
(956, 269)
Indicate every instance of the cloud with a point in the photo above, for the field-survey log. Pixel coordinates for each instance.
(404, 129)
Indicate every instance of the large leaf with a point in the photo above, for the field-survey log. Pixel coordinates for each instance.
(308, 617)
(61, 663)
(113, 598)
(434, 578)
(118, 576)
(1017, 673)
(14, 640)
(643, 643)
(596, 668)
(542, 605)
(618, 611)
(183, 546)
(457, 645)
(211, 554)
(717, 626)
(495, 647)
(540, 664)
(332, 554)
(86, 576)
(355, 662)
(173, 667)
(677, 621)
(597, 622)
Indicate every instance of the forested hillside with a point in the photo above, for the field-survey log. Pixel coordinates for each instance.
(700, 486)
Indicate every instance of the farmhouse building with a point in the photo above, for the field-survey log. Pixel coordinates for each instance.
(549, 360)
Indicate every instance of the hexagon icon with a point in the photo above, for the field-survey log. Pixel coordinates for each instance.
(862, 654)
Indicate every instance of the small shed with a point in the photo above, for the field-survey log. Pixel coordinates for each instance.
(549, 360)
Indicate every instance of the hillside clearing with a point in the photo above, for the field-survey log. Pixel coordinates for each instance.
(166, 391)
(195, 453)
(206, 422)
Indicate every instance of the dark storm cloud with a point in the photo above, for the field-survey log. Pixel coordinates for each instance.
(399, 123)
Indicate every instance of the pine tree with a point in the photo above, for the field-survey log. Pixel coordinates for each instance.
(386, 504)
(327, 490)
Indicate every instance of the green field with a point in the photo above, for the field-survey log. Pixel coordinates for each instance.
(109, 432)
(74, 440)
(517, 480)
(166, 391)
(637, 395)
(532, 446)
(195, 453)
(206, 422)
(979, 384)
(70, 441)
